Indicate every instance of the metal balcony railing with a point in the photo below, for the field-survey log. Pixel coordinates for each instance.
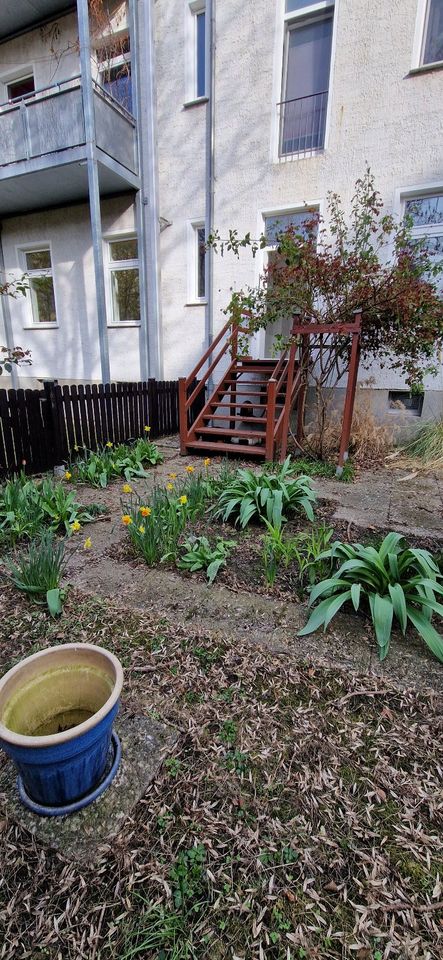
(302, 124)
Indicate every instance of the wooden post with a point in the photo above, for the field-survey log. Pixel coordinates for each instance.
(304, 366)
(270, 419)
(182, 415)
(350, 397)
(288, 401)
(56, 411)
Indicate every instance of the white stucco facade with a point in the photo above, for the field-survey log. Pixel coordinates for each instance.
(382, 110)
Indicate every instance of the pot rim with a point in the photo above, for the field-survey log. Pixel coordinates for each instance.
(54, 739)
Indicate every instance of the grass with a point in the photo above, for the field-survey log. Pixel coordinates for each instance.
(299, 815)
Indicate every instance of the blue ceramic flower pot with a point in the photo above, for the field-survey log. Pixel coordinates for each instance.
(57, 709)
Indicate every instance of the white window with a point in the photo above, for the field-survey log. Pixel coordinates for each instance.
(123, 268)
(114, 66)
(433, 32)
(196, 262)
(38, 267)
(196, 51)
(426, 215)
(306, 72)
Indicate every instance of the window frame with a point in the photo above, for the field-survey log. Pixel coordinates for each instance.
(116, 266)
(316, 10)
(416, 193)
(192, 10)
(258, 342)
(193, 298)
(420, 38)
(23, 72)
(30, 323)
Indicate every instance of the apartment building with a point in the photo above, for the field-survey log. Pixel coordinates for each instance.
(128, 134)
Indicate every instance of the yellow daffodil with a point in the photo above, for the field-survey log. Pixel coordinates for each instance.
(75, 526)
(109, 444)
(169, 486)
(141, 528)
(183, 500)
(145, 511)
(126, 488)
(126, 519)
(68, 475)
(87, 544)
(190, 468)
(172, 476)
(207, 461)
(147, 429)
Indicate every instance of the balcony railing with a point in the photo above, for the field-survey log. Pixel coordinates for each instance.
(51, 119)
(303, 124)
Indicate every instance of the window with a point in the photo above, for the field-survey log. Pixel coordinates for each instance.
(433, 33)
(21, 88)
(41, 286)
(114, 60)
(196, 51)
(426, 215)
(402, 401)
(306, 69)
(197, 262)
(279, 222)
(124, 280)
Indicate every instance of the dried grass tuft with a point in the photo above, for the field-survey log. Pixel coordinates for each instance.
(370, 442)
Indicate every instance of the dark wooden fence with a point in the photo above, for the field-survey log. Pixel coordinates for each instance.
(41, 428)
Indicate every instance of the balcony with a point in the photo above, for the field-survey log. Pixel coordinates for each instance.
(302, 124)
(43, 148)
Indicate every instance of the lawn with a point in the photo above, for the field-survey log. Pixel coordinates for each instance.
(300, 814)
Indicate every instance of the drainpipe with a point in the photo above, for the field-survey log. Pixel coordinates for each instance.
(93, 183)
(6, 311)
(148, 195)
(209, 173)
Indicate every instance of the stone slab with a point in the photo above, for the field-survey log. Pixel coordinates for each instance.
(87, 835)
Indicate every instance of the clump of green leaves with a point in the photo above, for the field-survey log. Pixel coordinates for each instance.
(306, 550)
(99, 467)
(39, 570)
(310, 467)
(155, 528)
(27, 507)
(200, 555)
(394, 582)
(188, 877)
(271, 494)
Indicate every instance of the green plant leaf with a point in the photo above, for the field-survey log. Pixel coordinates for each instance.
(323, 614)
(429, 634)
(382, 615)
(53, 599)
(399, 604)
(355, 595)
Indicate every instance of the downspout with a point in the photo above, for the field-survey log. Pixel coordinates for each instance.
(148, 195)
(6, 312)
(209, 173)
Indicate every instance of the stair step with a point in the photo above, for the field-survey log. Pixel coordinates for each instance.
(249, 369)
(232, 416)
(235, 406)
(253, 450)
(227, 432)
(243, 383)
(241, 393)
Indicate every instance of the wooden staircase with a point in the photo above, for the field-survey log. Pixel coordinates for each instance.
(248, 411)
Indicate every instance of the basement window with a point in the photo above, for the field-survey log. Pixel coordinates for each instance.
(402, 401)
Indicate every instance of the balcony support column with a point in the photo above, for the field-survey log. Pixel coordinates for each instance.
(93, 183)
(5, 310)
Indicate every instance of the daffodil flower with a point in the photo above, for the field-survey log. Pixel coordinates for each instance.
(126, 488)
(68, 475)
(183, 500)
(145, 511)
(87, 544)
(75, 526)
(126, 519)
(141, 528)
(190, 468)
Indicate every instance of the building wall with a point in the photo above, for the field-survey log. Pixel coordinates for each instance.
(70, 352)
(52, 56)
